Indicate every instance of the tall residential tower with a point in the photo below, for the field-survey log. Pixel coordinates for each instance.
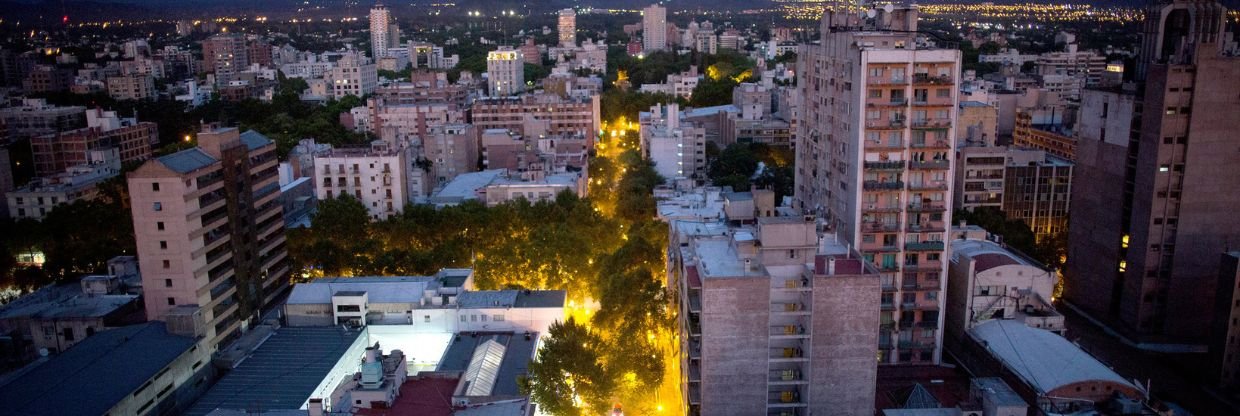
(210, 233)
(874, 160)
(380, 24)
(1154, 202)
(654, 28)
(567, 28)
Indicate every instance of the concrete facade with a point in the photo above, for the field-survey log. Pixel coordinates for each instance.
(1141, 261)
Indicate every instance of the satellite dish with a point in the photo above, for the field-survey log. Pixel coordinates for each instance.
(870, 13)
(43, 352)
(888, 8)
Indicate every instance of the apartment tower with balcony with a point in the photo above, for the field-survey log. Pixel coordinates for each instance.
(874, 161)
(210, 233)
(1157, 174)
(773, 320)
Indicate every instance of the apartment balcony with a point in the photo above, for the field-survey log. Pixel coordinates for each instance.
(927, 227)
(894, 102)
(788, 331)
(924, 246)
(887, 306)
(786, 376)
(917, 344)
(885, 344)
(879, 208)
(928, 186)
(887, 165)
(882, 185)
(927, 79)
(695, 393)
(788, 396)
(932, 145)
(890, 267)
(927, 207)
(931, 123)
(884, 124)
(931, 102)
(880, 227)
(695, 371)
(906, 323)
(888, 287)
(889, 81)
(793, 308)
(879, 247)
(787, 354)
(930, 165)
(925, 266)
(932, 324)
(880, 146)
(695, 304)
(792, 283)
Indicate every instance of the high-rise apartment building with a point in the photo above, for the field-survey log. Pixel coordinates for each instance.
(380, 25)
(874, 159)
(209, 231)
(567, 28)
(1157, 168)
(773, 320)
(225, 53)
(505, 72)
(654, 28)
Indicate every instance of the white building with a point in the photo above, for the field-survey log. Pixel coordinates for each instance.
(654, 28)
(380, 23)
(987, 281)
(680, 85)
(568, 28)
(353, 75)
(374, 175)
(505, 72)
(40, 196)
(678, 149)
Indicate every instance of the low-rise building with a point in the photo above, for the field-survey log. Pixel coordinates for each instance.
(543, 114)
(353, 74)
(496, 186)
(680, 85)
(78, 183)
(987, 281)
(134, 140)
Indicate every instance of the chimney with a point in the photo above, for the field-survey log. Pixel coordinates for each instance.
(748, 265)
(831, 266)
(372, 354)
(315, 407)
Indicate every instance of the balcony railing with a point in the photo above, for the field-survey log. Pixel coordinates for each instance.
(875, 227)
(928, 186)
(924, 246)
(879, 208)
(888, 81)
(788, 307)
(930, 164)
(927, 207)
(927, 79)
(885, 124)
(787, 330)
(931, 123)
(931, 144)
(916, 344)
(882, 185)
(886, 165)
(887, 306)
(786, 375)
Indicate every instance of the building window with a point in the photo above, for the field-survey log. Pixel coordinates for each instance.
(159, 225)
(163, 245)
(473, 318)
(426, 319)
(172, 301)
(157, 207)
(462, 318)
(348, 308)
(167, 264)
(483, 318)
(155, 187)
(498, 318)
(167, 282)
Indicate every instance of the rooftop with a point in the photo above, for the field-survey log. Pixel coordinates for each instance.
(405, 289)
(282, 373)
(515, 362)
(187, 160)
(95, 374)
(254, 140)
(1044, 360)
(989, 254)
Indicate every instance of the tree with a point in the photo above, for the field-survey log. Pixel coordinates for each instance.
(340, 237)
(570, 367)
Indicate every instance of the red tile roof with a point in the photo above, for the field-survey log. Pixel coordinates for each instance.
(420, 396)
(987, 261)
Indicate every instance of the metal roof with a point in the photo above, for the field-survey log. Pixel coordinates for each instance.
(282, 372)
(541, 299)
(254, 140)
(1044, 360)
(96, 374)
(187, 160)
